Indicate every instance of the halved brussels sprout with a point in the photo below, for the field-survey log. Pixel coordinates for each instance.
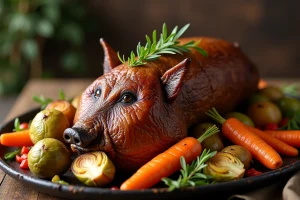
(93, 168)
(224, 167)
(241, 153)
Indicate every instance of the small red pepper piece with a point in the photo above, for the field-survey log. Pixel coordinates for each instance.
(24, 150)
(24, 156)
(24, 164)
(283, 122)
(253, 172)
(24, 126)
(271, 126)
(19, 159)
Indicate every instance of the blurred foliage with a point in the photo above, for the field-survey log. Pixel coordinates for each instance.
(25, 27)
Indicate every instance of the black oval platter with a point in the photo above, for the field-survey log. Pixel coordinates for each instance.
(78, 191)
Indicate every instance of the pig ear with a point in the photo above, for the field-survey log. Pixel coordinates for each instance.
(111, 59)
(173, 78)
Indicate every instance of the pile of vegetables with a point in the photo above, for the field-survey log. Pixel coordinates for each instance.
(262, 130)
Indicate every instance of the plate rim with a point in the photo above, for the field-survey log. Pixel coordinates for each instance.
(68, 191)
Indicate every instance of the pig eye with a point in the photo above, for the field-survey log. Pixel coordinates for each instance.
(127, 98)
(97, 93)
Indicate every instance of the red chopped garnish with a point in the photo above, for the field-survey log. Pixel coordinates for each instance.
(252, 172)
(271, 126)
(283, 122)
(24, 164)
(24, 150)
(114, 188)
(19, 159)
(24, 126)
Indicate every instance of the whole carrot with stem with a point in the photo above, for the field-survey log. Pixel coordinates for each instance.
(279, 146)
(17, 139)
(238, 134)
(168, 162)
(291, 137)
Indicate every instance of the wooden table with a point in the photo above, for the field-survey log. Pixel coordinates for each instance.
(50, 88)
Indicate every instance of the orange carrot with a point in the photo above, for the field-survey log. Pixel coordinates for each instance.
(238, 134)
(279, 146)
(17, 139)
(291, 137)
(167, 163)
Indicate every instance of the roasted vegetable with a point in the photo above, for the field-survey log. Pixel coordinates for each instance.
(241, 153)
(93, 168)
(48, 157)
(288, 106)
(65, 107)
(213, 143)
(264, 113)
(48, 124)
(272, 92)
(224, 167)
(240, 116)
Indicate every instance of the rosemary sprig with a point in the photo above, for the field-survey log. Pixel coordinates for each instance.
(191, 175)
(165, 45)
(44, 101)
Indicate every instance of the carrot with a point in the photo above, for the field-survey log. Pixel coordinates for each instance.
(167, 163)
(17, 139)
(279, 146)
(238, 134)
(291, 137)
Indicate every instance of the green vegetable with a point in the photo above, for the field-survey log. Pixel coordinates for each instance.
(291, 89)
(224, 167)
(17, 125)
(12, 155)
(93, 168)
(56, 179)
(191, 175)
(165, 45)
(42, 100)
(293, 123)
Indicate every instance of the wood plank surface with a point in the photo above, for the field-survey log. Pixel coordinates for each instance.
(12, 189)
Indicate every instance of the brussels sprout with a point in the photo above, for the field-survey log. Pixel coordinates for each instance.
(264, 113)
(241, 153)
(48, 124)
(48, 157)
(224, 167)
(288, 105)
(214, 142)
(272, 92)
(93, 168)
(255, 98)
(240, 116)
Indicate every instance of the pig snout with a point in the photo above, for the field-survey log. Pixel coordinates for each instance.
(77, 136)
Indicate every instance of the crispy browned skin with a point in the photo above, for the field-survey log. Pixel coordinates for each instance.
(168, 101)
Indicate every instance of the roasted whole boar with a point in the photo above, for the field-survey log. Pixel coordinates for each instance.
(135, 113)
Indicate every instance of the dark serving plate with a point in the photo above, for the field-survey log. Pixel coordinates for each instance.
(77, 191)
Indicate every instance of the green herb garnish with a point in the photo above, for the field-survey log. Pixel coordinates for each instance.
(165, 45)
(62, 95)
(17, 125)
(191, 175)
(12, 155)
(291, 89)
(42, 100)
(293, 123)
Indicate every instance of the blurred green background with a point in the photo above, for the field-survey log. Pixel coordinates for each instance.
(60, 38)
